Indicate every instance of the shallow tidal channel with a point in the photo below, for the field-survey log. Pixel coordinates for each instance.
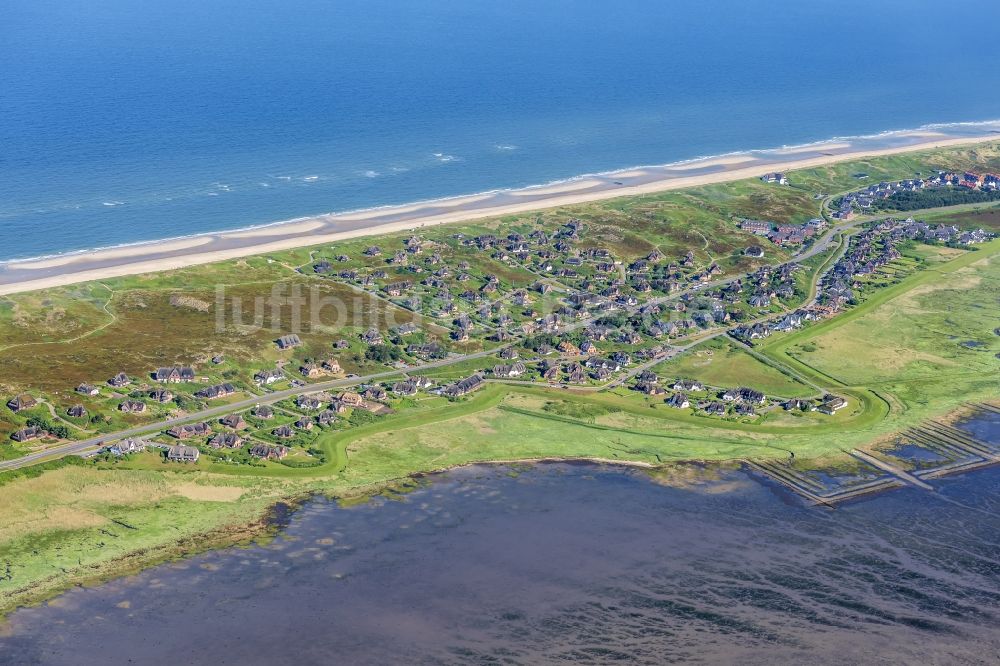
(558, 563)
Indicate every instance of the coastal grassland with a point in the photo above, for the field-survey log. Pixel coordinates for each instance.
(721, 363)
(78, 523)
(986, 217)
(927, 344)
(844, 176)
(156, 325)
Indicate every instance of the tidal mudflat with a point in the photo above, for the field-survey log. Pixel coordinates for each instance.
(557, 562)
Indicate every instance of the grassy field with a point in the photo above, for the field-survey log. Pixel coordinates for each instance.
(721, 363)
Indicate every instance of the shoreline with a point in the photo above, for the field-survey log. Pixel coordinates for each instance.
(182, 252)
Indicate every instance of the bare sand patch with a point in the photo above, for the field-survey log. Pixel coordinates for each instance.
(559, 188)
(114, 253)
(818, 147)
(290, 228)
(714, 161)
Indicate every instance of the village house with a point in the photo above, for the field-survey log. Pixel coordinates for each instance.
(304, 423)
(688, 385)
(795, 403)
(464, 386)
(284, 432)
(832, 404)
(161, 395)
(87, 389)
(226, 440)
(132, 407)
(405, 388)
(190, 430)
(679, 400)
(308, 403)
(126, 446)
(715, 409)
(27, 434)
(182, 453)
(267, 377)
(775, 177)
(288, 341)
(744, 394)
(326, 417)
(745, 409)
(756, 227)
(509, 371)
(77, 411)
(603, 364)
(174, 374)
(263, 412)
(372, 337)
(120, 380)
(234, 421)
(269, 451)
(19, 403)
(310, 370)
(216, 391)
(350, 399)
(375, 393)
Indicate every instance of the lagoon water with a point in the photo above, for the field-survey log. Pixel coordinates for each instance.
(566, 564)
(123, 121)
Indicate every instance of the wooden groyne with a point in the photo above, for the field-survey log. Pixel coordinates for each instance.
(961, 450)
(815, 492)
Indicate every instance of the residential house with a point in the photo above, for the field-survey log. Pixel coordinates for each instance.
(350, 399)
(715, 409)
(234, 421)
(288, 341)
(269, 451)
(87, 389)
(509, 371)
(326, 417)
(190, 430)
(27, 434)
(120, 380)
(688, 385)
(308, 403)
(132, 406)
(267, 377)
(464, 386)
(216, 391)
(161, 395)
(126, 446)
(832, 404)
(77, 411)
(226, 440)
(174, 374)
(182, 453)
(263, 412)
(679, 400)
(284, 432)
(19, 403)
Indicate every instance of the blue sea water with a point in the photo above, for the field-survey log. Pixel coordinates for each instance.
(131, 120)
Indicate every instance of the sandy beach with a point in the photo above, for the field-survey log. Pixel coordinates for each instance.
(28, 275)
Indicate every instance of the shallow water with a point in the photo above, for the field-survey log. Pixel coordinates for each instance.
(566, 563)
